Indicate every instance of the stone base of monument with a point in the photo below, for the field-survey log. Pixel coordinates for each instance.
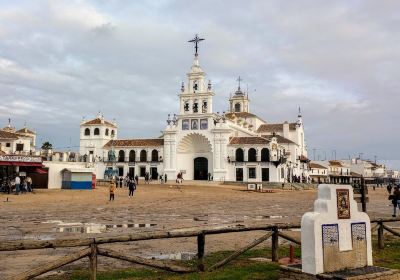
(293, 272)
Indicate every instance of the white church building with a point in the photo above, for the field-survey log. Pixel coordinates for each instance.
(202, 144)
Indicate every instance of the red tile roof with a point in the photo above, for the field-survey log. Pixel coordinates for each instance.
(274, 127)
(25, 130)
(316, 165)
(248, 140)
(240, 115)
(97, 121)
(335, 163)
(280, 139)
(256, 140)
(135, 143)
(7, 135)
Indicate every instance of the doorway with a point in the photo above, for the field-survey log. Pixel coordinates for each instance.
(265, 174)
(239, 174)
(154, 173)
(200, 168)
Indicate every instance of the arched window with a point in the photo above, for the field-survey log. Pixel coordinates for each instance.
(237, 107)
(112, 132)
(87, 131)
(132, 156)
(121, 156)
(239, 155)
(154, 155)
(252, 154)
(265, 154)
(96, 131)
(106, 132)
(143, 155)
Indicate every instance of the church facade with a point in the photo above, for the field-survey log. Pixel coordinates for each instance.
(202, 144)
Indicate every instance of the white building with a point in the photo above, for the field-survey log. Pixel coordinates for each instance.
(14, 141)
(199, 143)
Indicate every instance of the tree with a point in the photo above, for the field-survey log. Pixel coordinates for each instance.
(47, 146)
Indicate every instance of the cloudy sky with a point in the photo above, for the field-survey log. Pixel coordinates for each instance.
(338, 60)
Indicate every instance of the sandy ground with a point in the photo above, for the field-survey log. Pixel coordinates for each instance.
(49, 214)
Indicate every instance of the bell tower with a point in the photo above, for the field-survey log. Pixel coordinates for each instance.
(196, 97)
(239, 102)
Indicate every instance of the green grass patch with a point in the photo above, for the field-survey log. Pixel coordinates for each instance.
(240, 268)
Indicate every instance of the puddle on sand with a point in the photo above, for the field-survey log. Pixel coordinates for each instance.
(93, 227)
(181, 256)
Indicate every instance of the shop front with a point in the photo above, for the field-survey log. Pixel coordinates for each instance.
(23, 166)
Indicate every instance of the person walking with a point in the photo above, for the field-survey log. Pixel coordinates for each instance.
(396, 200)
(29, 184)
(165, 178)
(161, 179)
(137, 180)
(132, 187)
(17, 181)
(112, 190)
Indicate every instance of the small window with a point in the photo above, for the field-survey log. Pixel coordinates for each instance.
(112, 132)
(237, 107)
(106, 132)
(87, 131)
(20, 147)
(186, 106)
(96, 131)
(252, 173)
(239, 155)
(8, 145)
(154, 155)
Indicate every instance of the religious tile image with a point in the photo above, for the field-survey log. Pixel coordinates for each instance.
(330, 234)
(185, 125)
(358, 231)
(195, 124)
(204, 124)
(343, 204)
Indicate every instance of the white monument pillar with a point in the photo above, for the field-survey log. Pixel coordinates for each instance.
(336, 235)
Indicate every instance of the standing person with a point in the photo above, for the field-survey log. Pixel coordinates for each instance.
(132, 187)
(161, 179)
(120, 181)
(396, 200)
(389, 188)
(137, 180)
(112, 190)
(17, 181)
(146, 178)
(165, 178)
(29, 184)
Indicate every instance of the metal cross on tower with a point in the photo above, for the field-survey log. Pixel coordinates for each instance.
(239, 80)
(196, 41)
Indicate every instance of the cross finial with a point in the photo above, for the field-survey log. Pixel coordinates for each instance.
(196, 41)
(9, 122)
(239, 80)
(299, 112)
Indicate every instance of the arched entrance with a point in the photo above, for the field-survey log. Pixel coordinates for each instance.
(200, 168)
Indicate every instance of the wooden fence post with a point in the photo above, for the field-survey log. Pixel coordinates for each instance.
(93, 261)
(363, 196)
(201, 240)
(381, 243)
(274, 245)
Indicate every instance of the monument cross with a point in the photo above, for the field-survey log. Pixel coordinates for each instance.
(196, 41)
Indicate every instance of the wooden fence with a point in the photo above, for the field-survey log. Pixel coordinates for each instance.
(93, 247)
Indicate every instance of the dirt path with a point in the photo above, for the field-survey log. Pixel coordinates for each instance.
(49, 214)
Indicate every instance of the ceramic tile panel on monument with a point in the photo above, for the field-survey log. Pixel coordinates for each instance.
(336, 235)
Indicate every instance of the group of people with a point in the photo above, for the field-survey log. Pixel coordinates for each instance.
(394, 197)
(130, 182)
(17, 184)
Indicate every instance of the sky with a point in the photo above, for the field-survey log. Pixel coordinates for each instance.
(339, 61)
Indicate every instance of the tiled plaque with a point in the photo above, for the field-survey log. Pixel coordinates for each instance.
(330, 234)
(358, 231)
(343, 203)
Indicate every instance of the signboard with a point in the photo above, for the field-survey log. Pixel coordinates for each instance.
(251, 187)
(22, 174)
(183, 171)
(18, 158)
